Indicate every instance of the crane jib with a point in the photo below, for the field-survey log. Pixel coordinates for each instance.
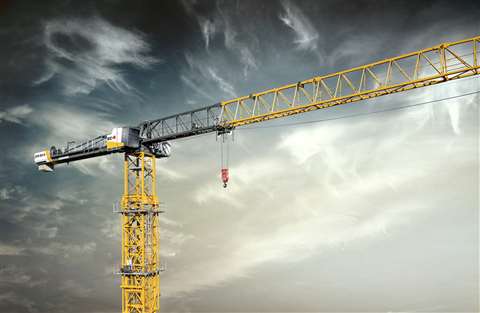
(441, 63)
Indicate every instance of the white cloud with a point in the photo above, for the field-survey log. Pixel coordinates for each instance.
(203, 73)
(67, 124)
(187, 81)
(247, 58)
(164, 172)
(322, 187)
(306, 37)
(222, 83)
(221, 22)
(74, 125)
(348, 49)
(241, 47)
(172, 237)
(16, 114)
(169, 222)
(208, 31)
(245, 175)
(84, 53)
(110, 165)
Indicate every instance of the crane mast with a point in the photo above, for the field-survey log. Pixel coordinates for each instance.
(140, 267)
(142, 144)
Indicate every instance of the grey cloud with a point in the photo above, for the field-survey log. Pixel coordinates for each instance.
(11, 250)
(74, 288)
(11, 192)
(16, 114)
(13, 275)
(16, 302)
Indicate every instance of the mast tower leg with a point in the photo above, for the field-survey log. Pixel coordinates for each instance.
(140, 266)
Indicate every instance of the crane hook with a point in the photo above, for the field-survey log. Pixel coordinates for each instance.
(224, 152)
(224, 177)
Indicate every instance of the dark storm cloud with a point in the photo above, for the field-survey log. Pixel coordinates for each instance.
(75, 69)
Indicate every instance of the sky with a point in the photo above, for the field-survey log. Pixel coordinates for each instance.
(367, 213)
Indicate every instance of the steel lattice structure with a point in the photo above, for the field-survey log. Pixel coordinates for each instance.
(421, 68)
(140, 266)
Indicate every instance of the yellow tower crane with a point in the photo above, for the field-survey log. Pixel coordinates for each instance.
(141, 145)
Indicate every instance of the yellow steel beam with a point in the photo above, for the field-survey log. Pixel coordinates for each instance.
(441, 63)
(140, 241)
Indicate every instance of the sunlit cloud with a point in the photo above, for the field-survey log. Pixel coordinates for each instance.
(300, 192)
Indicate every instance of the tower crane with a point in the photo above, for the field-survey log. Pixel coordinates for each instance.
(142, 144)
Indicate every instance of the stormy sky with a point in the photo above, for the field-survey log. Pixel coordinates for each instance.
(370, 213)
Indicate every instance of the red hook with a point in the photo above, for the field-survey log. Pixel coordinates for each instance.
(225, 177)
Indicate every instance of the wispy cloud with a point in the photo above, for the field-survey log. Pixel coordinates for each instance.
(222, 83)
(191, 84)
(200, 72)
(208, 30)
(306, 37)
(16, 114)
(85, 53)
(221, 22)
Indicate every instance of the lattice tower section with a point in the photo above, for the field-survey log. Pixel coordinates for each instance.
(140, 268)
